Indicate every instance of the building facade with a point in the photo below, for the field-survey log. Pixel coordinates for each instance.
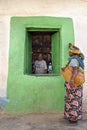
(66, 21)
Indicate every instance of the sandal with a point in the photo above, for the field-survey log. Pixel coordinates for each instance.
(73, 121)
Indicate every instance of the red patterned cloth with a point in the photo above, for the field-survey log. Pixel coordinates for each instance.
(73, 102)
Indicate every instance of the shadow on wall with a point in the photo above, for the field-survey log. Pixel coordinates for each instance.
(3, 102)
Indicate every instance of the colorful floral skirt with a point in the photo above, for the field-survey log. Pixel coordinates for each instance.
(73, 102)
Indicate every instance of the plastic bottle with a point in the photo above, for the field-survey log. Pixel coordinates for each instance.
(50, 68)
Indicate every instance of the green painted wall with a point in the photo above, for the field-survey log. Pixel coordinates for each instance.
(30, 93)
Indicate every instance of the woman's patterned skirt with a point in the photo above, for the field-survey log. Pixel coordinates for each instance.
(73, 102)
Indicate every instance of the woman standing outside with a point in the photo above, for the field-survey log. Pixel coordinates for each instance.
(73, 97)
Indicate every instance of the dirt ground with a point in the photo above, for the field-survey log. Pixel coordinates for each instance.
(39, 121)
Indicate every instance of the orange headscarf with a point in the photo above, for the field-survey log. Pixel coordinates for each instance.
(73, 49)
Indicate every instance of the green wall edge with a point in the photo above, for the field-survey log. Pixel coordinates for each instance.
(28, 93)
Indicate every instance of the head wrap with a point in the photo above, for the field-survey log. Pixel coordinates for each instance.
(76, 55)
(73, 49)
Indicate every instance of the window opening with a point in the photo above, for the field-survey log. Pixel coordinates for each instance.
(46, 43)
(41, 44)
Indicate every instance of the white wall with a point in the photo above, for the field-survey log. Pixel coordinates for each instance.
(76, 9)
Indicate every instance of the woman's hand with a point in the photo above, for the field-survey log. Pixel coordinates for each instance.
(71, 83)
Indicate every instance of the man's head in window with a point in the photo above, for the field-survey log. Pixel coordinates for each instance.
(40, 57)
(40, 65)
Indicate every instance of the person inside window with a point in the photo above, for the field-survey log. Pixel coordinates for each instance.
(40, 65)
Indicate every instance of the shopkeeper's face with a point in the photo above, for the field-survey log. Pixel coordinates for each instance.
(40, 57)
